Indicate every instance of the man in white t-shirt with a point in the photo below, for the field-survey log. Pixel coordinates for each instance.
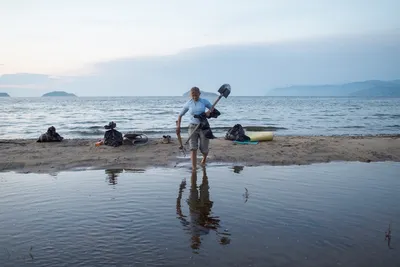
(195, 106)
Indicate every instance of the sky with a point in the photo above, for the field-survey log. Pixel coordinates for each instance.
(70, 38)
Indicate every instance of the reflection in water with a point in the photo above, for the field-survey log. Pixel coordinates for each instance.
(388, 236)
(237, 169)
(200, 221)
(53, 175)
(112, 175)
(246, 195)
(310, 216)
(135, 170)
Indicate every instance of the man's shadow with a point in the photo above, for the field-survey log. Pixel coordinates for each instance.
(200, 221)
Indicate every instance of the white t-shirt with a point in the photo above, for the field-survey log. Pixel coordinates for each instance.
(195, 108)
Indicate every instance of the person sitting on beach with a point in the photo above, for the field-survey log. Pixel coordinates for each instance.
(50, 136)
(196, 106)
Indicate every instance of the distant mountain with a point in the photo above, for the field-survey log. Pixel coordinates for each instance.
(4, 95)
(58, 93)
(387, 90)
(202, 94)
(396, 81)
(362, 88)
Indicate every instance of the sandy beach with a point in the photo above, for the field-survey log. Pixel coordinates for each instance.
(26, 155)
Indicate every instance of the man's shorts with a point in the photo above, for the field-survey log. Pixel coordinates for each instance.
(198, 136)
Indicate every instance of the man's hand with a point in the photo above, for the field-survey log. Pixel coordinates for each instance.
(208, 113)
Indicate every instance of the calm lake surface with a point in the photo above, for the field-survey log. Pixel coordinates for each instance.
(85, 117)
(332, 214)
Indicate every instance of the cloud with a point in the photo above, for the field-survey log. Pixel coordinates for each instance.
(251, 69)
(30, 84)
(23, 86)
(23, 78)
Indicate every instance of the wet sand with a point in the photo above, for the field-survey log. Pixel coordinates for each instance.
(26, 155)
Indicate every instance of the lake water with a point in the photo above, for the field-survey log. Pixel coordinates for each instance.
(85, 117)
(332, 214)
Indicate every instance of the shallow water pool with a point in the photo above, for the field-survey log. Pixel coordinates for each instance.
(332, 214)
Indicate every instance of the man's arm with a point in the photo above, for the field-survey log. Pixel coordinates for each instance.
(208, 104)
(181, 114)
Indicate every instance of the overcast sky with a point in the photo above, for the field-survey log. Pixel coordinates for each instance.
(55, 37)
(59, 37)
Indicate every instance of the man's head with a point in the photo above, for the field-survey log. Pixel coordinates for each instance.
(195, 93)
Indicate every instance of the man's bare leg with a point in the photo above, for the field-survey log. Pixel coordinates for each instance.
(204, 160)
(194, 159)
(204, 143)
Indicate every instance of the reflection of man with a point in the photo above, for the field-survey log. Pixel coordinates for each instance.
(193, 202)
(112, 175)
(200, 219)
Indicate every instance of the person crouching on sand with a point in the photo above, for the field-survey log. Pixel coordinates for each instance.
(195, 106)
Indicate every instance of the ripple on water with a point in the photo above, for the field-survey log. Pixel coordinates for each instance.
(320, 215)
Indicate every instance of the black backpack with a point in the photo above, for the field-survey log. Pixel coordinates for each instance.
(236, 133)
(204, 125)
(112, 137)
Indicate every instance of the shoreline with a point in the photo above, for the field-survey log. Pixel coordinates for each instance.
(26, 155)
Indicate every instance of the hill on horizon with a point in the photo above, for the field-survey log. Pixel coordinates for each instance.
(359, 88)
(58, 93)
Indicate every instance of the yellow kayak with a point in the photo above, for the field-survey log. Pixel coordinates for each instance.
(260, 136)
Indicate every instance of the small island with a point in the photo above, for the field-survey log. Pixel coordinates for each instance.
(4, 95)
(203, 94)
(58, 93)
